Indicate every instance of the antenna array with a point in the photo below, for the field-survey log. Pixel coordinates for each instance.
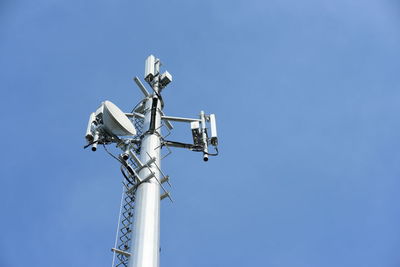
(138, 135)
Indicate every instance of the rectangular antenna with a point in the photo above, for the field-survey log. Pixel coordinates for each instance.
(150, 68)
(89, 135)
(213, 126)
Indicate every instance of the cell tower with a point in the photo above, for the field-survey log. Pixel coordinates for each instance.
(140, 138)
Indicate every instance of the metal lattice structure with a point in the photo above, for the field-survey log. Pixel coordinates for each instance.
(125, 221)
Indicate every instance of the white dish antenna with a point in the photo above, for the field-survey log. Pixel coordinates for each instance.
(115, 121)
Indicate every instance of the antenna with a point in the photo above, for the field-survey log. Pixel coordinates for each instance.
(139, 137)
(115, 121)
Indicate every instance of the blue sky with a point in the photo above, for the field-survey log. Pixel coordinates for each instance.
(307, 99)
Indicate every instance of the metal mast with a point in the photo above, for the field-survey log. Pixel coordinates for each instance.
(138, 233)
(146, 224)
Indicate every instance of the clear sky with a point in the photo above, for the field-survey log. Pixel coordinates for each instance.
(307, 97)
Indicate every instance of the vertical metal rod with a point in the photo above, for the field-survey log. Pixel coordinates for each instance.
(145, 249)
(204, 135)
(95, 139)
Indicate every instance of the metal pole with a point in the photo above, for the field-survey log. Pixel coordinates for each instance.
(204, 135)
(145, 249)
(106, 126)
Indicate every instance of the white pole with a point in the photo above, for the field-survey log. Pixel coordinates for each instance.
(145, 249)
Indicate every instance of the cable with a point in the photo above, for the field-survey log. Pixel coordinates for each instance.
(126, 177)
(124, 164)
(212, 154)
(120, 161)
(153, 115)
(137, 106)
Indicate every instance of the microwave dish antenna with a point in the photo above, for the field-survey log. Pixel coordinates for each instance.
(115, 121)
